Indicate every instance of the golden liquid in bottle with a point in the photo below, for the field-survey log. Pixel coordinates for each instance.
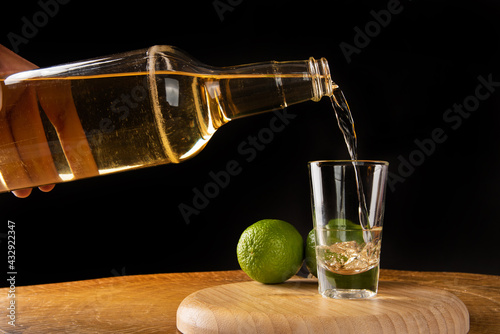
(54, 130)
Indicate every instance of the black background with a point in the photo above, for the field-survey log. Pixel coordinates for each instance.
(443, 217)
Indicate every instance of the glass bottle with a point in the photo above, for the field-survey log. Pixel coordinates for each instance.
(132, 110)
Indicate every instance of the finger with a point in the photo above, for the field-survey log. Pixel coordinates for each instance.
(47, 188)
(12, 63)
(22, 193)
(31, 142)
(13, 173)
(10, 163)
(57, 102)
(26, 157)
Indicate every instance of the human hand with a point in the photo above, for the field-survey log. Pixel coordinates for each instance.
(11, 63)
(25, 156)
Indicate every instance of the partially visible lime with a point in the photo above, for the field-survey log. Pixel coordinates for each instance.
(337, 230)
(270, 251)
(343, 224)
(340, 229)
(311, 253)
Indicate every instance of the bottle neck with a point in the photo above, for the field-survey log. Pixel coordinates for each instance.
(322, 81)
(261, 87)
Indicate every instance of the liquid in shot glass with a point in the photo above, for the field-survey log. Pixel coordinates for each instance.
(348, 234)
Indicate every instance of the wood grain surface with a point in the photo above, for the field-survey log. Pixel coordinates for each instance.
(296, 307)
(148, 303)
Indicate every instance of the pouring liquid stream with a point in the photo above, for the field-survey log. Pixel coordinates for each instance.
(346, 125)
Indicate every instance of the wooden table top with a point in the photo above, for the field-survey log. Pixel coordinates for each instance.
(148, 303)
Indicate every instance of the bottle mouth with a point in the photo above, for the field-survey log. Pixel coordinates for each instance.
(321, 78)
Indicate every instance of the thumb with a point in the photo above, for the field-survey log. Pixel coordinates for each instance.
(12, 63)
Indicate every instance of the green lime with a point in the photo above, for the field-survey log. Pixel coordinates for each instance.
(341, 229)
(270, 251)
(343, 224)
(311, 254)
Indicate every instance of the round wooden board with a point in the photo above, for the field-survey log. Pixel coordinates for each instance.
(296, 307)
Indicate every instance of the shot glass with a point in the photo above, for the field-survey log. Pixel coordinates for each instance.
(348, 198)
